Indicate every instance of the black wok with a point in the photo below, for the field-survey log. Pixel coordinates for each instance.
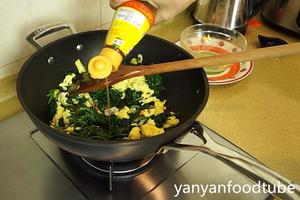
(186, 92)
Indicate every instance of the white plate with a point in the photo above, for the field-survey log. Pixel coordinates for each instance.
(232, 74)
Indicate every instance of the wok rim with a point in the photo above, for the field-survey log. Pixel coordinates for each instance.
(85, 141)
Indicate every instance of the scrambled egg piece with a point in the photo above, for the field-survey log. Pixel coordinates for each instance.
(171, 121)
(149, 129)
(66, 116)
(88, 104)
(80, 67)
(58, 115)
(69, 129)
(135, 133)
(89, 101)
(151, 122)
(62, 98)
(75, 101)
(123, 113)
(159, 107)
(63, 113)
(132, 110)
(67, 81)
(137, 84)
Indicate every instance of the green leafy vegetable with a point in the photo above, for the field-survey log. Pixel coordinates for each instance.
(100, 97)
(88, 116)
(132, 97)
(92, 132)
(155, 83)
(160, 119)
(52, 101)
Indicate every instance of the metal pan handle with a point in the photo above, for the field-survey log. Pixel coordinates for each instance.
(46, 30)
(247, 166)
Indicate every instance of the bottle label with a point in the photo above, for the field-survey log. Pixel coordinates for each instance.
(127, 29)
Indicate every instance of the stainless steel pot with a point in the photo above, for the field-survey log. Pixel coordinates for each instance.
(284, 13)
(232, 14)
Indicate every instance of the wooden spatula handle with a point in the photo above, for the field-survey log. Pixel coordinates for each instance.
(127, 71)
(253, 54)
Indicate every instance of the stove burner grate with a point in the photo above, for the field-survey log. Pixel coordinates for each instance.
(119, 168)
(115, 170)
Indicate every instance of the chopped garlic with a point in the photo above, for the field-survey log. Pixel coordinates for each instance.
(110, 111)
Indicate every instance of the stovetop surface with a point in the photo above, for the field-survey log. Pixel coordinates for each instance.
(32, 167)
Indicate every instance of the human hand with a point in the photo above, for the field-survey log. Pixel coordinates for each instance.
(166, 9)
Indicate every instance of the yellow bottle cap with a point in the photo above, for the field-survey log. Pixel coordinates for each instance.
(100, 67)
(114, 56)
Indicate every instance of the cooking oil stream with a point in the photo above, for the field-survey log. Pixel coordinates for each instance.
(108, 104)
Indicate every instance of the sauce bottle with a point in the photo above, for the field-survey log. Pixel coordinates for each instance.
(131, 22)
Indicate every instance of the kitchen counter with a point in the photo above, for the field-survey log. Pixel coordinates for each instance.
(260, 114)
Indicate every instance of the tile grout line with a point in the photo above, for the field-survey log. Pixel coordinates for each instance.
(10, 70)
(19, 59)
(7, 97)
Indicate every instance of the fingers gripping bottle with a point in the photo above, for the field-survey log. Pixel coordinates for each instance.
(131, 22)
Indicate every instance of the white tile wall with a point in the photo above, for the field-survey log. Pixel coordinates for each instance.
(19, 18)
(105, 26)
(106, 12)
(12, 68)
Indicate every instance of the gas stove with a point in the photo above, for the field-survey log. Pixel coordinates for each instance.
(32, 167)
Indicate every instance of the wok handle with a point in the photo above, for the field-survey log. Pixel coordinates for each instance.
(46, 30)
(247, 166)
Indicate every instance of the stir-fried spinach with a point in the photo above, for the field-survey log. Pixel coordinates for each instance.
(91, 115)
(155, 83)
(132, 97)
(95, 124)
(100, 98)
(52, 101)
(160, 119)
(84, 116)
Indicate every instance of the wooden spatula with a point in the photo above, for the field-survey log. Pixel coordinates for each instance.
(126, 71)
